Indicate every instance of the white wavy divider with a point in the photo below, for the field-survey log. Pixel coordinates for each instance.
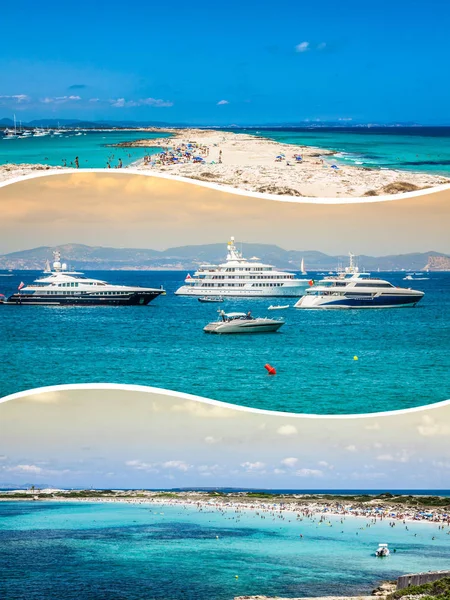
(229, 189)
(218, 403)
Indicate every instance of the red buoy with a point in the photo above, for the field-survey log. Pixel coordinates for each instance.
(270, 370)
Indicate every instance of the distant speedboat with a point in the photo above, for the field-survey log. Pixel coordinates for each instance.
(278, 307)
(382, 551)
(351, 289)
(242, 278)
(62, 287)
(210, 299)
(242, 323)
(415, 277)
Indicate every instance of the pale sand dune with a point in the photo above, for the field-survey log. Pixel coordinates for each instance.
(248, 163)
(12, 171)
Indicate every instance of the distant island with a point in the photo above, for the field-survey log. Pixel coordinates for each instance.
(185, 258)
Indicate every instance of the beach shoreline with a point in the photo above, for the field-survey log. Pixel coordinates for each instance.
(301, 506)
(256, 164)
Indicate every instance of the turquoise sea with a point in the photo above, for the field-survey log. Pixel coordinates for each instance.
(424, 149)
(404, 354)
(407, 148)
(81, 551)
(91, 147)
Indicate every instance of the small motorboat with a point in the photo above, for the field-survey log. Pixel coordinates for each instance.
(237, 322)
(211, 299)
(415, 278)
(278, 307)
(382, 551)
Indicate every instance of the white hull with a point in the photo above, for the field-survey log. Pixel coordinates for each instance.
(251, 326)
(277, 292)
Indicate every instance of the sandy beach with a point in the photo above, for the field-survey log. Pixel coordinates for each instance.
(13, 171)
(250, 163)
(298, 506)
(255, 164)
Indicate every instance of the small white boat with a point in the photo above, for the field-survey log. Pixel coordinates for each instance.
(242, 323)
(382, 551)
(210, 299)
(415, 278)
(278, 307)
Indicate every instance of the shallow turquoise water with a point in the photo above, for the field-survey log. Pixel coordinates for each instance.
(91, 148)
(126, 552)
(404, 354)
(408, 148)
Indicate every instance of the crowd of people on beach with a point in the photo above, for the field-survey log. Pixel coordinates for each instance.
(298, 510)
(185, 152)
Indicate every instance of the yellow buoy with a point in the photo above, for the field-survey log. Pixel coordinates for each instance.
(355, 358)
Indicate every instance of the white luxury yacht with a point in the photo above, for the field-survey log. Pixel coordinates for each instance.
(60, 286)
(239, 277)
(352, 289)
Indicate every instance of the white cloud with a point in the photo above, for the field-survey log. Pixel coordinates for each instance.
(19, 98)
(253, 466)
(302, 47)
(60, 99)
(46, 397)
(156, 102)
(139, 465)
(322, 46)
(323, 463)
(179, 465)
(222, 102)
(289, 462)
(94, 99)
(350, 448)
(23, 469)
(202, 409)
(373, 427)
(430, 427)
(402, 457)
(34, 469)
(309, 473)
(287, 430)
(209, 439)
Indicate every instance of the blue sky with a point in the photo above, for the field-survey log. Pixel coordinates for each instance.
(227, 62)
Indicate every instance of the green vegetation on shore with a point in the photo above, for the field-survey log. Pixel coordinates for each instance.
(436, 590)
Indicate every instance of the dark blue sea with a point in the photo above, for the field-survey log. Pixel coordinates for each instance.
(404, 354)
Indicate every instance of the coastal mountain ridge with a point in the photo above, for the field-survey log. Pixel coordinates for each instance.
(99, 124)
(84, 257)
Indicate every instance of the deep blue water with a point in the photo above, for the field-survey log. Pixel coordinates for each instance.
(405, 148)
(404, 354)
(83, 551)
(92, 149)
